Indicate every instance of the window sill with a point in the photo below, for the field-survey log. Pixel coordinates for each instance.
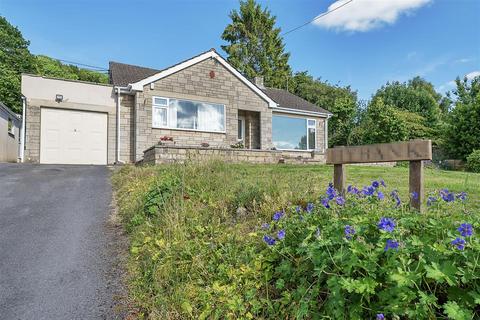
(12, 135)
(189, 130)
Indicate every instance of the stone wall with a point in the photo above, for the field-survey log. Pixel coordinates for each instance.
(127, 128)
(161, 154)
(195, 83)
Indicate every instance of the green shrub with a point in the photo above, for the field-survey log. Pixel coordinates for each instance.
(473, 161)
(362, 258)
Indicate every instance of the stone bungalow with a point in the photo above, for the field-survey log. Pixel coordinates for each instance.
(201, 107)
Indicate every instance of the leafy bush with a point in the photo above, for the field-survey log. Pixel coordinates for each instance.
(473, 161)
(357, 257)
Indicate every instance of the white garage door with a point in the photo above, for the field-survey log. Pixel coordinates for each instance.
(73, 137)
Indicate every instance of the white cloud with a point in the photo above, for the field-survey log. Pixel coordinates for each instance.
(363, 15)
(472, 75)
(463, 60)
(451, 84)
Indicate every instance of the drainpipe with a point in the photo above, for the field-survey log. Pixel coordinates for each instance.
(22, 131)
(117, 158)
(325, 135)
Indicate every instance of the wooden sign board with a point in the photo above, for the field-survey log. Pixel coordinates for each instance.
(414, 151)
(383, 152)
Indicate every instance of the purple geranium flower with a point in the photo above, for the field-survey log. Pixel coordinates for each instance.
(269, 240)
(298, 209)
(447, 196)
(375, 184)
(309, 207)
(462, 196)
(396, 197)
(380, 316)
(431, 200)
(414, 195)
(386, 224)
(340, 200)
(281, 234)
(380, 195)
(331, 193)
(349, 232)
(368, 190)
(459, 243)
(391, 244)
(383, 183)
(465, 229)
(325, 203)
(352, 189)
(277, 215)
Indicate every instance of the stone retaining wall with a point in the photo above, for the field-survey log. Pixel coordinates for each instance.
(159, 154)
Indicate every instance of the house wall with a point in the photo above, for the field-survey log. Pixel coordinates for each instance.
(195, 83)
(161, 154)
(8, 142)
(40, 93)
(320, 128)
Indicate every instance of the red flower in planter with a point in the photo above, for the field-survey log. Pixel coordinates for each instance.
(166, 138)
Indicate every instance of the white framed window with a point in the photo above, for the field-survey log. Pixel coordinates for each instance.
(294, 133)
(312, 134)
(159, 112)
(186, 114)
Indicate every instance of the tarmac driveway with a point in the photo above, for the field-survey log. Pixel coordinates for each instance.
(55, 261)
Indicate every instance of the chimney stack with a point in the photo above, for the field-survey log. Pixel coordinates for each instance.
(259, 82)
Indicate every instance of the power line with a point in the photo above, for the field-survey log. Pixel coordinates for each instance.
(317, 17)
(81, 64)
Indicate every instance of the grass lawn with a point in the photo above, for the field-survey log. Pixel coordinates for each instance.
(193, 228)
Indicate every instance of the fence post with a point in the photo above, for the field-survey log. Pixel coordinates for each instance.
(415, 180)
(339, 177)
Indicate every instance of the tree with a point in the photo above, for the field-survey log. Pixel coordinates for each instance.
(382, 123)
(421, 108)
(49, 67)
(255, 47)
(462, 133)
(14, 59)
(341, 101)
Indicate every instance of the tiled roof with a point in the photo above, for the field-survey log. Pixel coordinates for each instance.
(288, 100)
(122, 74)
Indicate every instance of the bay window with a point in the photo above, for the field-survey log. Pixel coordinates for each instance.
(293, 133)
(187, 115)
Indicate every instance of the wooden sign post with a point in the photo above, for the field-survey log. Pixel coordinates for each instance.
(414, 151)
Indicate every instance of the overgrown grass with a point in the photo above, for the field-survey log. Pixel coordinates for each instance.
(195, 228)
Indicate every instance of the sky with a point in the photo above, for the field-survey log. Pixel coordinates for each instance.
(363, 43)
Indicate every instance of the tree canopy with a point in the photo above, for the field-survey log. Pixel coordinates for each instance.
(255, 46)
(462, 132)
(15, 59)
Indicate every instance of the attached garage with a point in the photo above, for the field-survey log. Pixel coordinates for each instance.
(73, 137)
(69, 122)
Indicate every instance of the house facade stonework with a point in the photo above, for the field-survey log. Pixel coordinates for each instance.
(121, 120)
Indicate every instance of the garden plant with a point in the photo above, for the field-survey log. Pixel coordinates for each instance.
(219, 241)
